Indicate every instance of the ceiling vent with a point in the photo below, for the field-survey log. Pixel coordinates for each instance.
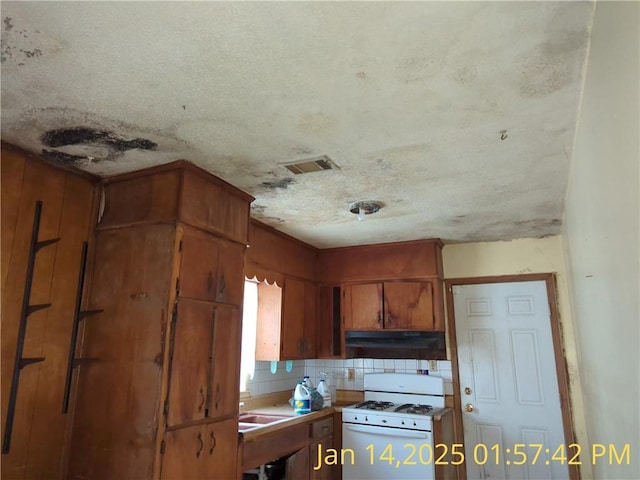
(312, 165)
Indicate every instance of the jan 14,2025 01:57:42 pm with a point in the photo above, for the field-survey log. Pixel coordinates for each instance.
(413, 454)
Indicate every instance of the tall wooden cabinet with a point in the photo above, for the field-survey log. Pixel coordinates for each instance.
(157, 396)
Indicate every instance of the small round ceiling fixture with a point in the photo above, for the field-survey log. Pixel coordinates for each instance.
(364, 207)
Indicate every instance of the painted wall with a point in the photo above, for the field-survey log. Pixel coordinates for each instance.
(601, 228)
(524, 256)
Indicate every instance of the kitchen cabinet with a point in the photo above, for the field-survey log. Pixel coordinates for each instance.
(399, 305)
(200, 452)
(214, 266)
(205, 355)
(321, 441)
(298, 465)
(158, 395)
(286, 327)
(329, 322)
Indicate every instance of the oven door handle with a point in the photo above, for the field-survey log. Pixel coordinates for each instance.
(387, 432)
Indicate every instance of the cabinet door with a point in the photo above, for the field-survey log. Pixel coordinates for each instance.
(298, 465)
(191, 362)
(230, 275)
(185, 454)
(310, 323)
(221, 449)
(199, 267)
(363, 307)
(293, 310)
(224, 387)
(408, 306)
(319, 469)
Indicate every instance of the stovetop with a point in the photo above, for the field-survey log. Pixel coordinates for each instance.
(410, 408)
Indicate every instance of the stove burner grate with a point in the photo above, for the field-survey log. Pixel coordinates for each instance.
(374, 405)
(414, 408)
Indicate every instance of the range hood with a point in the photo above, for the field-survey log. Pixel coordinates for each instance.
(424, 345)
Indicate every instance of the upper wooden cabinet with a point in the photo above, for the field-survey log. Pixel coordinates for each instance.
(403, 305)
(177, 191)
(286, 327)
(211, 268)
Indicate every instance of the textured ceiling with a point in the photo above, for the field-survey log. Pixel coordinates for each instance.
(458, 117)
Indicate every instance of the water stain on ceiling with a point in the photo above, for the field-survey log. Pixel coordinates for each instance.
(457, 116)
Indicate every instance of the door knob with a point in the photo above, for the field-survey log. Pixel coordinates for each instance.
(467, 391)
(468, 407)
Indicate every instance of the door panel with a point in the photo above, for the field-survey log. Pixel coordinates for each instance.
(221, 449)
(293, 319)
(230, 275)
(223, 389)
(185, 454)
(508, 376)
(408, 305)
(198, 271)
(190, 364)
(363, 307)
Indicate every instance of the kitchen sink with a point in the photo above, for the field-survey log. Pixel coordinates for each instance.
(261, 418)
(250, 421)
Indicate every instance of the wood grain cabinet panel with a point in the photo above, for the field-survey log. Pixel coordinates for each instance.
(211, 268)
(402, 305)
(201, 452)
(191, 362)
(160, 398)
(286, 320)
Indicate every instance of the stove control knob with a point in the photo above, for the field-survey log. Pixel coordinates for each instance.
(366, 419)
(384, 421)
(402, 422)
(356, 418)
(414, 424)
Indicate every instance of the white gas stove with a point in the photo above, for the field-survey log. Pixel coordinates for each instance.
(396, 417)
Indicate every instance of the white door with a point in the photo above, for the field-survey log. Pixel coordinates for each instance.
(508, 382)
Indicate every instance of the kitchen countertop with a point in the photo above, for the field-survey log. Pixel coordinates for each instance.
(283, 409)
(286, 409)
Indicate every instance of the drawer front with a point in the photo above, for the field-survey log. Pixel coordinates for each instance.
(322, 428)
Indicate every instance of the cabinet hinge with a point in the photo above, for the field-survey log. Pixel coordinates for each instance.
(163, 447)
(165, 409)
(174, 314)
(180, 246)
(177, 286)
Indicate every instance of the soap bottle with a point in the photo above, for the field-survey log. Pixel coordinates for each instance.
(306, 381)
(301, 399)
(324, 391)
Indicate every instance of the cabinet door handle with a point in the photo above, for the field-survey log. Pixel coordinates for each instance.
(210, 282)
(200, 445)
(212, 437)
(203, 399)
(222, 286)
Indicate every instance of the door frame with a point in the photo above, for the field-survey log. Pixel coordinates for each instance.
(556, 333)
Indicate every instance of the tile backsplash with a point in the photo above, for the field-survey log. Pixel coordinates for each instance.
(264, 381)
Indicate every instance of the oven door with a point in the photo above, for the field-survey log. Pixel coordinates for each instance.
(384, 453)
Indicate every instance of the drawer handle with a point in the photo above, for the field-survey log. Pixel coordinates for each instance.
(213, 442)
(201, 445)
(209, 282)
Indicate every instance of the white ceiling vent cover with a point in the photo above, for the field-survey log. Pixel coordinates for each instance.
(311, 165)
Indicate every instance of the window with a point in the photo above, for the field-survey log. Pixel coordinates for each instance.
(249, 322)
